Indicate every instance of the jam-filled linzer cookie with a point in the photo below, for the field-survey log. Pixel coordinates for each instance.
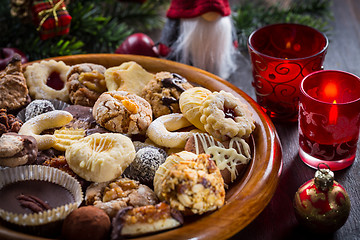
(46, 80)
(163, 93)
(224, 116)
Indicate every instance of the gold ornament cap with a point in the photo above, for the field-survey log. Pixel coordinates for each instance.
(324, 178)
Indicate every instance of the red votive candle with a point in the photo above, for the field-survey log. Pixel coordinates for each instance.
(281, 56)
(329, 118)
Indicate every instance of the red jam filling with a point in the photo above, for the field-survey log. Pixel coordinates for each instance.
(54, 81)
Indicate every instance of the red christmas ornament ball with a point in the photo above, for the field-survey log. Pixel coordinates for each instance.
(322, 204)
(138, 44)
(6, 54)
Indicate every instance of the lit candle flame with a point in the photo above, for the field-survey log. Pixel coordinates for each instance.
(333, 114)
(331, 91)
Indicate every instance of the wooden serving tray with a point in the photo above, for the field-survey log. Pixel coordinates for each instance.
(247, 196)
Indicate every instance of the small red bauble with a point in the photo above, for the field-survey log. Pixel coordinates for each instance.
(322, 204)
(138, 44)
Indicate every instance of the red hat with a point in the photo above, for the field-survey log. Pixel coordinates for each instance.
(195, 8)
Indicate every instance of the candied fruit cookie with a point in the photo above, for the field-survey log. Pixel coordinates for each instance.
(224, 116)
(190, 102)
(163, 93)
(37, 78)
(85, 81)
(138, 221)
(13, 88)
(162, 131)
(190, 183)
(129, 76)
(120, 193)
(100, 157)
(122, 112)
(48, 120)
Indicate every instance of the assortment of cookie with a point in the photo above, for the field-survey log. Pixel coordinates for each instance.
(148, 149)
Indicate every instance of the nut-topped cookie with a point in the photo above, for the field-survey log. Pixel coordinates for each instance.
(86, 82)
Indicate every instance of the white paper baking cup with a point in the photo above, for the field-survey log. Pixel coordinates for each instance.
(44, 173)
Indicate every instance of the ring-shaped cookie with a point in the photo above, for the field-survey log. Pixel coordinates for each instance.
(160, 131)
(37, 75)
(48, 120)
(224, 116)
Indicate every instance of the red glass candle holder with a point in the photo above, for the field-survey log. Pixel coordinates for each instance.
(282, 55)
(329, 118)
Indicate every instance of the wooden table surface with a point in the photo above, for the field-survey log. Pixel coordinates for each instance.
(278, 221)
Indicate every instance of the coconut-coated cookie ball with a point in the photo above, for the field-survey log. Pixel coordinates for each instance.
(147, 161)
(38, 107)
(85, 223)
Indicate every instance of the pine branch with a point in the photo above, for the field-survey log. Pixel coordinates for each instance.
(250, 16)
(97, 26)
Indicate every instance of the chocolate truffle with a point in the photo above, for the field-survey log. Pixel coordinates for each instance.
(87, 222)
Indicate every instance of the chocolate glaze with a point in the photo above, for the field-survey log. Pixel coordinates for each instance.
(83, 118)
(51, 193)
(81, 113)
(167, 101)
(174, 82)
(30, 147)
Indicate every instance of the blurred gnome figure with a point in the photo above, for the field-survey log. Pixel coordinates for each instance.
(201, 33)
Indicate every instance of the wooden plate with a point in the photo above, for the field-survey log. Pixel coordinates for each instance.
(248, 196)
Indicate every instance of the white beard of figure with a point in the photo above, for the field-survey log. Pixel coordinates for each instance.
(207, 45)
